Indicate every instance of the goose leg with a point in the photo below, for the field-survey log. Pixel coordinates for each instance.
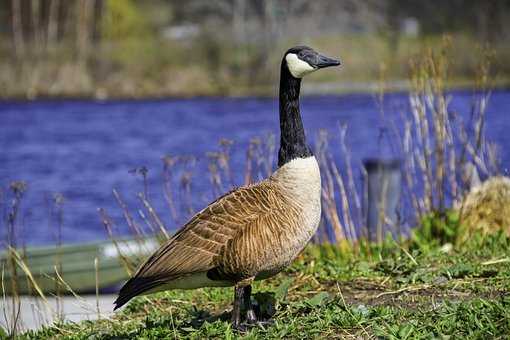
(236, 311)
(251, 318)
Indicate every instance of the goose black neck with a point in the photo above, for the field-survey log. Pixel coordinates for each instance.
(292, 135)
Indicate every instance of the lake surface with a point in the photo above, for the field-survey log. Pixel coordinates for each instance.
(84, 149)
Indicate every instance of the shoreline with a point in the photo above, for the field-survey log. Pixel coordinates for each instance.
(310, 89)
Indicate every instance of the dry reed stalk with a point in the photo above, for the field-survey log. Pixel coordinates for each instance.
(350, 178)
(480, 108)
(439, 126)
(494, 160)
(364, 221)
(4, 296)
(269, 145)
(133, 226)
(58, 201)
(332, 216)
(83, 303)
(343, 200)
(328, 190)
(96, 276)
(451, 167)
(248, 169)
(259, 159)
(215, 176)
(410, 168)
(420, 149)
(438, 107)
(38, 313)
(255, 143)
(18, 188)
(21, 263)
(432, 141)
(260, 170)
(463, 158)
(470, 151)
(463, 135)
(424, 100)
(30, 281)
(186, 197)
(168, 163)
(153, 215)
(108, 224)
(151, 228)
(188, 163)
(423, 153)
(15, 300)
(144, 172)
(224, 160)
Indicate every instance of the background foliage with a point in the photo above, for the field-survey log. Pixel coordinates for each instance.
(134, 48)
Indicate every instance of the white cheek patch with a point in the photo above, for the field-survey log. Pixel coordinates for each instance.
(297, 67)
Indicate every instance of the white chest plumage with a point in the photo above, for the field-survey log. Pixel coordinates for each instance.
(301, 182)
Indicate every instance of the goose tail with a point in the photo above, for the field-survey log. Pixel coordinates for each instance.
(133, 287)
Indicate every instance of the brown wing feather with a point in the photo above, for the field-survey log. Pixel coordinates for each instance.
(197, 246)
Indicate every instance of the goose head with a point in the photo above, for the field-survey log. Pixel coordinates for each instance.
(303, 60)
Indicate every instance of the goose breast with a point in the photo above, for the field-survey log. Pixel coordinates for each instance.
(273, 240)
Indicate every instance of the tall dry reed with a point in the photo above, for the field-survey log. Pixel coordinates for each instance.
(435, 145)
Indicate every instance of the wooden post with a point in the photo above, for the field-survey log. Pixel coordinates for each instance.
(383, 197)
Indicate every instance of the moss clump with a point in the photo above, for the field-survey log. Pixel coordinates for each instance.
(486, 208)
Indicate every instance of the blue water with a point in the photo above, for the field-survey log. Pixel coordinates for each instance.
(84, 149)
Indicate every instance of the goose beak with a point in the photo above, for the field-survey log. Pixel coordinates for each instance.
(324, 61)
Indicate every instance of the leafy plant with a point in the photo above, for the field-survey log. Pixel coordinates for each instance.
(436, 229)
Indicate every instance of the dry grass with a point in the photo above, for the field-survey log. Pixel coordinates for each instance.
(486, 209)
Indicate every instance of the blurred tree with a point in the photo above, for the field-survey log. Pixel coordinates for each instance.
(487, 19)
(38, 25)
(233, 41)
(123, 20)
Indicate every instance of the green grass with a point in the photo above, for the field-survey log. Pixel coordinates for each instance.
(387, 291)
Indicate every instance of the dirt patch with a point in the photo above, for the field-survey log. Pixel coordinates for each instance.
(372, 293)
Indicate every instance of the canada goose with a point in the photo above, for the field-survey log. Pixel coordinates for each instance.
(252, 232)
